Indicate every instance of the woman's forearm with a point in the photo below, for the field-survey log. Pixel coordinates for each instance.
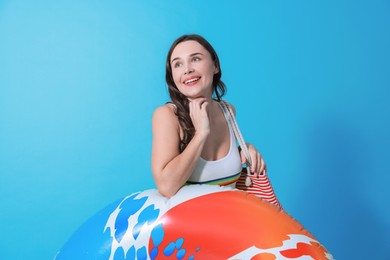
(176, 173)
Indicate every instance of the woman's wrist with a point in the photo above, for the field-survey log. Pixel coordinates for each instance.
(202, 134)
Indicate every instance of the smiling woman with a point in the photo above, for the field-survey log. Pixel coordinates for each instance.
(192, 66)
(310, 83)
(192, 141)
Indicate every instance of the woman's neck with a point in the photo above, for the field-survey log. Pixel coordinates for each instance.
(214, 109)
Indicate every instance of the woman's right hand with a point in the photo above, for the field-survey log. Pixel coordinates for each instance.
(171, 168)
(199, 116)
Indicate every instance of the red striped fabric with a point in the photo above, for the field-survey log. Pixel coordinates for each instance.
(261, 187)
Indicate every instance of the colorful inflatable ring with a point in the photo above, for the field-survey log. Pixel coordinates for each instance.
(199, 222)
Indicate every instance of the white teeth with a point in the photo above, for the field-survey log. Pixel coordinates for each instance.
(191, 80)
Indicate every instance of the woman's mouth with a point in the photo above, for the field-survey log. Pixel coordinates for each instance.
(191, 81)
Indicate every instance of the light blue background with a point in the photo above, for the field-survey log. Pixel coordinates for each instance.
(79, 81)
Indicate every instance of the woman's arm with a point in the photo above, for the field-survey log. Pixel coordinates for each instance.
(171, 169)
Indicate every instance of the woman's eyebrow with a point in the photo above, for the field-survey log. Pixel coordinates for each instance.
(196, 53)
(177, 58)
(191, 55)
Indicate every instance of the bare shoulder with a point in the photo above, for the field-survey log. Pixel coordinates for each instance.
(166, 131)
(164, 112)
(165, 116)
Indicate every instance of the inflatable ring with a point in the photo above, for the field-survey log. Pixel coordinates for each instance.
(199, 222)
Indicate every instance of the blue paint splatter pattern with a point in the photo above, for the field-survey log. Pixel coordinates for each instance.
(135, 221)
(173, 249)
(131, 224)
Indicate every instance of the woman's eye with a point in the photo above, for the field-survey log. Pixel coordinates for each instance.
(196, 59)
(177, 65)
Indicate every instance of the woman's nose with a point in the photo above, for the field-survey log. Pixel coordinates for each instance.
(188, 69)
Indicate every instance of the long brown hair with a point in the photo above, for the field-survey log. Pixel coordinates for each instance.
(180, 100)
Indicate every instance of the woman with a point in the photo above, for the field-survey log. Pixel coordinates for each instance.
(192, 142)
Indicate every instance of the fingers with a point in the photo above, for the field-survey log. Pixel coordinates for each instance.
(198, 105)
(260, 167)
(258, 164)
(255, 161)
(197, 102)
(199, 115)
(243, 159)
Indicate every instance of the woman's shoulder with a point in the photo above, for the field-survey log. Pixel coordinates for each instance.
(165, 120)
(165, 111)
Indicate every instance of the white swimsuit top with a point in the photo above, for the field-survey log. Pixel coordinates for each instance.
(224, 171)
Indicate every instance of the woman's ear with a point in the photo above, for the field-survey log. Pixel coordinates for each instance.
(216, 70)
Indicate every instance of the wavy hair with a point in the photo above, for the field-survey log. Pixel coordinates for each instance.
(178, 99)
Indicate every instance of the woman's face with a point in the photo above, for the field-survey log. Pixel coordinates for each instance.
(193, 70)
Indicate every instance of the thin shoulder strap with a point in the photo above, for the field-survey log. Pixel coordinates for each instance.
(233, 123)
(172, 104)
(227, 110)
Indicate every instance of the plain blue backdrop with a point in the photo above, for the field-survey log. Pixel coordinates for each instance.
(79, 81)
